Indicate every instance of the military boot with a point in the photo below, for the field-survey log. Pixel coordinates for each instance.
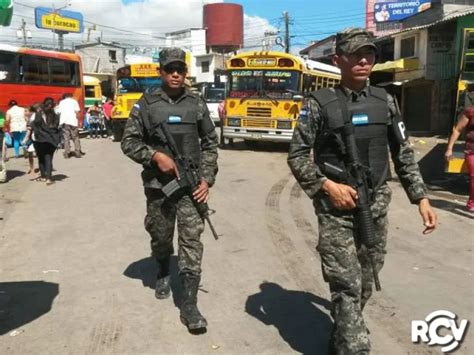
(162, 287)
(190, 315)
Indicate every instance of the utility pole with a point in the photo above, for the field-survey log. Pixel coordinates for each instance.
(23, 33)
(286, 18)
(23, 30)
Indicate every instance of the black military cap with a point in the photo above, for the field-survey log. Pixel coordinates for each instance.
(170, 55)
(352, 39)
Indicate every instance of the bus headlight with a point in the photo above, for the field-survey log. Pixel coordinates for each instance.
(284, 125)
(234, 122)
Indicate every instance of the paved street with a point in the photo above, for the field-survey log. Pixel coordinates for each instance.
(78, 279)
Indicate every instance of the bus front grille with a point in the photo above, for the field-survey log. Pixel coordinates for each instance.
(259, 111)
(257, 123)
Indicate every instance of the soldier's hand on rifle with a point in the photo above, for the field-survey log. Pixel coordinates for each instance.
(430, 219)
(166, 164)
(343, 197)
(201, 194)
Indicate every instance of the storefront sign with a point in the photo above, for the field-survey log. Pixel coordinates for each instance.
(59, 20)
(144, 70)
(386, 11)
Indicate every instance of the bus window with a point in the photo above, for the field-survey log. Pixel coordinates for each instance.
(214, 94)
(307, 83)
(7, 66)
(63, 73)
(89, 90)
(34, 69)
(319, 82)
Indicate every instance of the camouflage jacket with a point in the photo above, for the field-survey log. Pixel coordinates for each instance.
(309, 127)
(135, 146)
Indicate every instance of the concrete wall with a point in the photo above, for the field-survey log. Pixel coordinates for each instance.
(95, 59)
(421, 44)
(201, 77)
(193, 40)
(441, 52)
(322, 50)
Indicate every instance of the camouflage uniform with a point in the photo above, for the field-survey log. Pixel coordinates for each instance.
(345, 263)
(162, 212)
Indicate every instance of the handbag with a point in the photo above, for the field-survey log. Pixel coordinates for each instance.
(8, 140)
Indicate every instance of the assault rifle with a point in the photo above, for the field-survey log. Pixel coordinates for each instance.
(188, 177)
(356, 176)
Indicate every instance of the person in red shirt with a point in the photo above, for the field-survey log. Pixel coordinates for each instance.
(107, 109)
(465, 122)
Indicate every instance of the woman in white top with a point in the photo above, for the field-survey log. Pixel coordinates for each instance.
(16, 121)
(30, 113)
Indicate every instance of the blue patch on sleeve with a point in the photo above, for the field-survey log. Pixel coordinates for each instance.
(174, 119)
(304, 113)
(360, 119)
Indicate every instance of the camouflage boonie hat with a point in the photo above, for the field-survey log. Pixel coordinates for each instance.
(352, 39)
(170, 55)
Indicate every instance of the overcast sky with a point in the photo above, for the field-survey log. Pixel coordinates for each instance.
(146, 21)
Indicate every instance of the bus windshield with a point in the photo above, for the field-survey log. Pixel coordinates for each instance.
(214, 94)
(138, 85)
(277, 84)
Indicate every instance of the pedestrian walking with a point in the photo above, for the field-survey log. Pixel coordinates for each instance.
(46, 138)
(329, 119)
(30, 114)
(3, 168)
(69, 114)
(16, 122)
(465, 122)
(187, 118)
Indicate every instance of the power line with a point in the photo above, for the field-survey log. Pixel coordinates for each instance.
(105, 26)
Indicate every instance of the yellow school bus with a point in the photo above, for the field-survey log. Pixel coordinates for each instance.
(265, 93)
(92, 89)
(133, 81)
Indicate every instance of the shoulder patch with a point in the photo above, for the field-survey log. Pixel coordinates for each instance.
(304, 113)
(135, 110)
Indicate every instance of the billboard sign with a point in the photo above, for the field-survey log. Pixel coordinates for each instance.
(385, 11)
(59, 20)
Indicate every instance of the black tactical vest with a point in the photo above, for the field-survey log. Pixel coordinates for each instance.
(182, 121)
(369, 118)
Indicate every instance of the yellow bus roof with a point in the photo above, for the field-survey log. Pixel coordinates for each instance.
(262, 54)
(90, 80)
(308, 66)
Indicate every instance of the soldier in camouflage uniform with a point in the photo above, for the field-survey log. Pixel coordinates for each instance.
(187, 118)
(376, 121)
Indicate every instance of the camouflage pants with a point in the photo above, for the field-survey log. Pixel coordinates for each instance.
(346, 267)
(159, 222)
